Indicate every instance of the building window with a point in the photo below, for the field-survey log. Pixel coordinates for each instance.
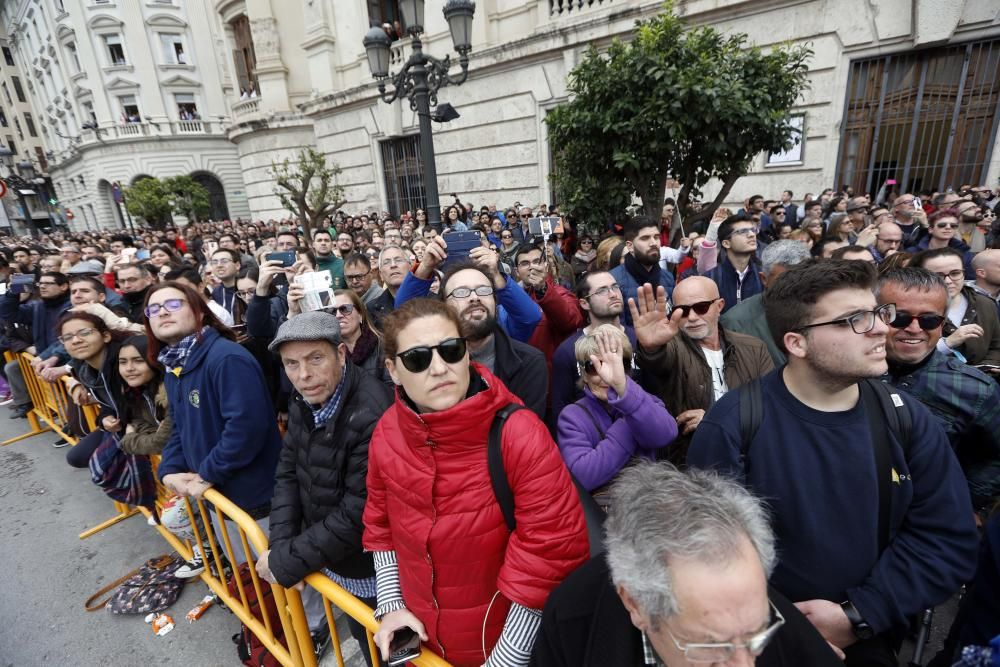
(404, 174)
(187, 109)
(60, 6)
(42, 161)
(88, 111)
(18, 90)
(172, 48)
(116, 52)
(130, 109)
(17, 126)
(8, 57)
(30, 124)
(11, 145)
(925, 119)
(382, 12)
(6, 93)
(3, 118)
(244, 57)
(74, 57)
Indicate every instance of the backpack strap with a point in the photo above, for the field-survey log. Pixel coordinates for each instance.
(593, 420)
(751, 415)
(494, 460)
(896, 413)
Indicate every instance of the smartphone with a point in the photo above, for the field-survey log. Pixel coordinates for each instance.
(987, 368)
(128, 253)
(459, 245)
(21, 283)
(891, 181)
(545, 226)
(286, 258)
(405, 646)
(142, 253)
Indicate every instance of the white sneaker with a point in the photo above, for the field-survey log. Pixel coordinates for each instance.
(193, 566)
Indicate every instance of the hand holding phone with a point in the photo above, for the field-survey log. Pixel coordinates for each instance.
(286, 258)
(404, 646)
(399, 636)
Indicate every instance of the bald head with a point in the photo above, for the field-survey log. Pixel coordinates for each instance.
(986, 259)
(987, 267)
(695, 289)
(890, 238)
(700, 293)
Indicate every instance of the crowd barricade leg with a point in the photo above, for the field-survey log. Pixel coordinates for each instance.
(39, 419)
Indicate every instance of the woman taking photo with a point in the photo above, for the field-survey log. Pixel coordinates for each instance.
(465, 584)
(364, 345)
(615, 421)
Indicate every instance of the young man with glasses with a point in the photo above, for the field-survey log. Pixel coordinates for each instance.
(737, 273)
(972, 332)
(226, 266)
(689, 361)
(873, 519)
(561, 315)
(683, 583)
(964, 399)
(942, 232)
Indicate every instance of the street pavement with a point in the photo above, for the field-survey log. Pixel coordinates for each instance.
(48, 573)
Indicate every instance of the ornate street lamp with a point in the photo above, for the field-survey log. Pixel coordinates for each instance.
(422, 76)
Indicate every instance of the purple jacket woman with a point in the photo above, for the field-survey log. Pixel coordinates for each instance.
(597, 438)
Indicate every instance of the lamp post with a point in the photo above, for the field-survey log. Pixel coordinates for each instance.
(422, 76)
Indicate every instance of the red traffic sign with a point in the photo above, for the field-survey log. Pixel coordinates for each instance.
(3, 188)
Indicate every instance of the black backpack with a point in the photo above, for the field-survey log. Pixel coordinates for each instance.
(592, 512)
(887, 413)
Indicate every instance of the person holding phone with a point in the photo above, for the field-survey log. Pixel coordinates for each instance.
(427, 459)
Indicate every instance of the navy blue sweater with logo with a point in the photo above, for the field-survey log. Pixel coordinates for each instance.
(816, 472)
(224, 424)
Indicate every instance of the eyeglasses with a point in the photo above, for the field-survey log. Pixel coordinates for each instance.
(47, 284)
(466, 292)
(528, 263)
(418, 359)
(720, 653)
(354, 277)
(393, 261)
(506, 236)
(746, 231)
(524, 215)
(958, 275)
(861, 323)
(604, 291)
(246, 294)
(81, 334)
(221, 262)
(586, 242)
(170, 305)
(946, 225)
(589, 369)
(344, 310)
(700, 308)
(926, 322)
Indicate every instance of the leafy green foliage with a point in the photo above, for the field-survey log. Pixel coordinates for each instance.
(308, 188)
(189, 196)
(689, 105)
(150, 200)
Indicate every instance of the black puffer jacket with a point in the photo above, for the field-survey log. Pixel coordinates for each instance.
(320, 490)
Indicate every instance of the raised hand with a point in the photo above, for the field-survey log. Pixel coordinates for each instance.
(608, 362)
(653, 327)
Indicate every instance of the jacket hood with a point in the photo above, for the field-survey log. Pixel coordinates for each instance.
(464, 425)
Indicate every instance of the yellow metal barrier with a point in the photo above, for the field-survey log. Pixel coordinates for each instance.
(335, 596)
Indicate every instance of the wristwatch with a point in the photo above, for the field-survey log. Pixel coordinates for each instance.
(860, 627)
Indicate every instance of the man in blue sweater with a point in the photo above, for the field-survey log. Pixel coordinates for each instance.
(813, 458)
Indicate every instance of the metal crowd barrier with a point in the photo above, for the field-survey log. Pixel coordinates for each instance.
(50, 412)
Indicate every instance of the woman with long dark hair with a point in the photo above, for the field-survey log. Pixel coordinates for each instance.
(363, 341)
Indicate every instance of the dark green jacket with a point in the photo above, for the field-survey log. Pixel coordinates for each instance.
(748, 318)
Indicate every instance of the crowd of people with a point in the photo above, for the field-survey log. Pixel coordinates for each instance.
(788, 415)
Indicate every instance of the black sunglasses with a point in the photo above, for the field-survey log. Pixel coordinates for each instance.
(344, 310)
(701, 308)
(418, 359)
(926, 322)
(588, 366)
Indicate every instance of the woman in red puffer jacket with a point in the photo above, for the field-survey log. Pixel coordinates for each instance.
(446, 565)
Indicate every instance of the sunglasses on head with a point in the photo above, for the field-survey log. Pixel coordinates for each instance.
(418, 359)
(926, 322)
(701, 308)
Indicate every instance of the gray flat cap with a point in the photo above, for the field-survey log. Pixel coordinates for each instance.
(317, 325)
(86, 266)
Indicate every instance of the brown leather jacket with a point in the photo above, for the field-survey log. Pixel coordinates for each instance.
(982, 311)
(680, 375)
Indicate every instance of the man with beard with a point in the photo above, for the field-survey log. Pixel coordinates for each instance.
(345, 245)
(393, 267)
(737, 274)
(970, 225)
(560, 313)
(642, 263)
(888, 241)
(134, 281)
(600, 298)
(326, 260)
(689, 360)
(963, 398)
(873, 521)
(42, 316)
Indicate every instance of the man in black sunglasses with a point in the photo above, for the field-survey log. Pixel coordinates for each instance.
(689, 361)
(964, 399)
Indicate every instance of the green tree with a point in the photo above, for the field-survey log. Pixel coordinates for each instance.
(189, 196)
(690, 105)
(308, 188)
(150, 200)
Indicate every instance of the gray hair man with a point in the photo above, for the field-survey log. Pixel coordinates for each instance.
(320, 489)
(748, 317)
(684, 583)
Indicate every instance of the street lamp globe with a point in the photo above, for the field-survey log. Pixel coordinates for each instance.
(376, 44)
(459, 15)
(413, 16)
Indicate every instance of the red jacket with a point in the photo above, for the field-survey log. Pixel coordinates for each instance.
(561, 316)
(430, 500)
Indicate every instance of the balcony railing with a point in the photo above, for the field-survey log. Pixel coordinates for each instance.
(190, 127)
(574, 7)
(131, 129)
(246, 107)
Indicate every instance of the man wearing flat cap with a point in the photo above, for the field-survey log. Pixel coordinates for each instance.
(320, 490)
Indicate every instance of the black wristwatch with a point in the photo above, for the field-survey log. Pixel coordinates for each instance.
(860, 627)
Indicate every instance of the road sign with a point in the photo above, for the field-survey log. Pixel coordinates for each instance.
(3, 188)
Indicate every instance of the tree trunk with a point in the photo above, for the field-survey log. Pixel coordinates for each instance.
(707, 211)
